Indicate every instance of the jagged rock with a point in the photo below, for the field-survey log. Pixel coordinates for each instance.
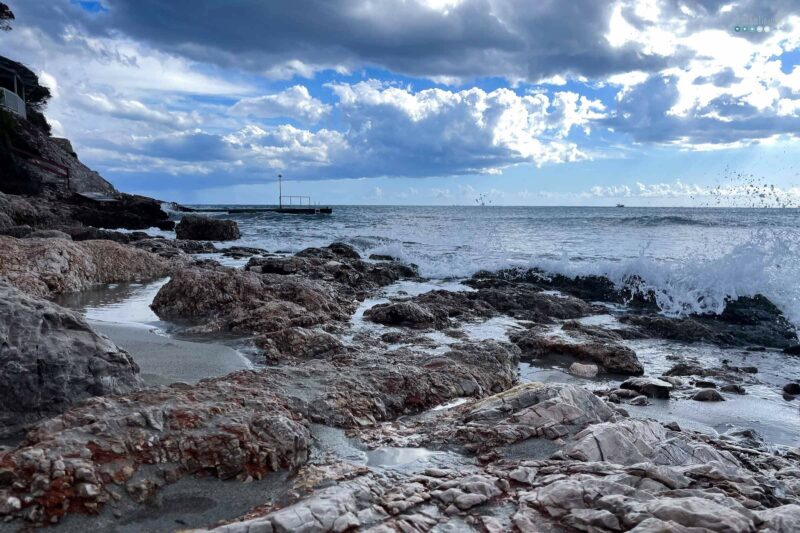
(608, 354)
(46, 267)
(530, 410)
(632, 441)
(240, 252)
(406, 314)
(202, 228)
(231, 427)
(299, 342)
(650, 387)
(746, 321)
(708, 395)
(274, 293)
(51, 360)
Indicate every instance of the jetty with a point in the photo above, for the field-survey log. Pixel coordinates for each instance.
(287, 204)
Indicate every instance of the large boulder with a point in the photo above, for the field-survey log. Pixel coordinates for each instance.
(47, 267)
(50, 359)
(202, 228)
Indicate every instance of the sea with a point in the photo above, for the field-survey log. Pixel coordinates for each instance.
(693, 259)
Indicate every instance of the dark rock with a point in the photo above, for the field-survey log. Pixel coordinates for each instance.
(381, 257)
(51, 360)
(650, 387)
(701, 384)
(733, 388)
(611, 356)
(240, 252)
(195, 247)
(202, 228)
(685, 369)
(792, 350)
(18, 232)
(708, 395)
(299, 342)
(792, 388)
(406, 314)
(49, 234)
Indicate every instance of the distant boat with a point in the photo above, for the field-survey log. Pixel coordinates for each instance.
(620, 205)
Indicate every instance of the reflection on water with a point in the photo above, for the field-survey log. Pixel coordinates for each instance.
(119, 303)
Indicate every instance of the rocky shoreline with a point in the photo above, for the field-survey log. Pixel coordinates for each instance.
(405, 372)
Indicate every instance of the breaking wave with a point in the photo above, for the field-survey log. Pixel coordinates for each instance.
(767, 263)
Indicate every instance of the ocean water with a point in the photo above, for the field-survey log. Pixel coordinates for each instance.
(693, 258)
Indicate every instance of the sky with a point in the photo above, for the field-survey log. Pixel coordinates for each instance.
(416, 102)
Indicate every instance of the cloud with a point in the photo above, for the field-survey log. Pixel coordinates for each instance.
(294, 102)
(515, 39)
(438, 132)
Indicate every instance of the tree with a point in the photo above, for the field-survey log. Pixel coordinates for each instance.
(6, 16)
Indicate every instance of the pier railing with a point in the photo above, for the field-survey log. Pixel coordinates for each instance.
(302, 200)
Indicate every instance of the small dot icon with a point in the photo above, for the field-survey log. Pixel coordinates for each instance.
(737, 29)
(752, 28)
(760, 29)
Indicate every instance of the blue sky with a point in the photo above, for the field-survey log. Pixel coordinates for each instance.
(424, 101)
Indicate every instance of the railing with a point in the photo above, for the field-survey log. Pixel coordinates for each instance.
(291, 200)
(45, 164)
(12, 102)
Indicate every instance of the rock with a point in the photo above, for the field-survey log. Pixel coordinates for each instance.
(792, 388)
(46, 267)
(406, 314)
(686, 369)
(52, 360)
(583, 371)
(231, 427)
(382, 257)
(783, 519)
(202, 228)
(608, 354)
(632, 441)
(639, 400)
(19, 232)
(708, 395)
(744, 322)
(530, 410)
(299, 342)
(733, 388)
(274, 293)
(49, 234)
(650, 387)
(792, 350)
(240, 252)
(701, 384)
